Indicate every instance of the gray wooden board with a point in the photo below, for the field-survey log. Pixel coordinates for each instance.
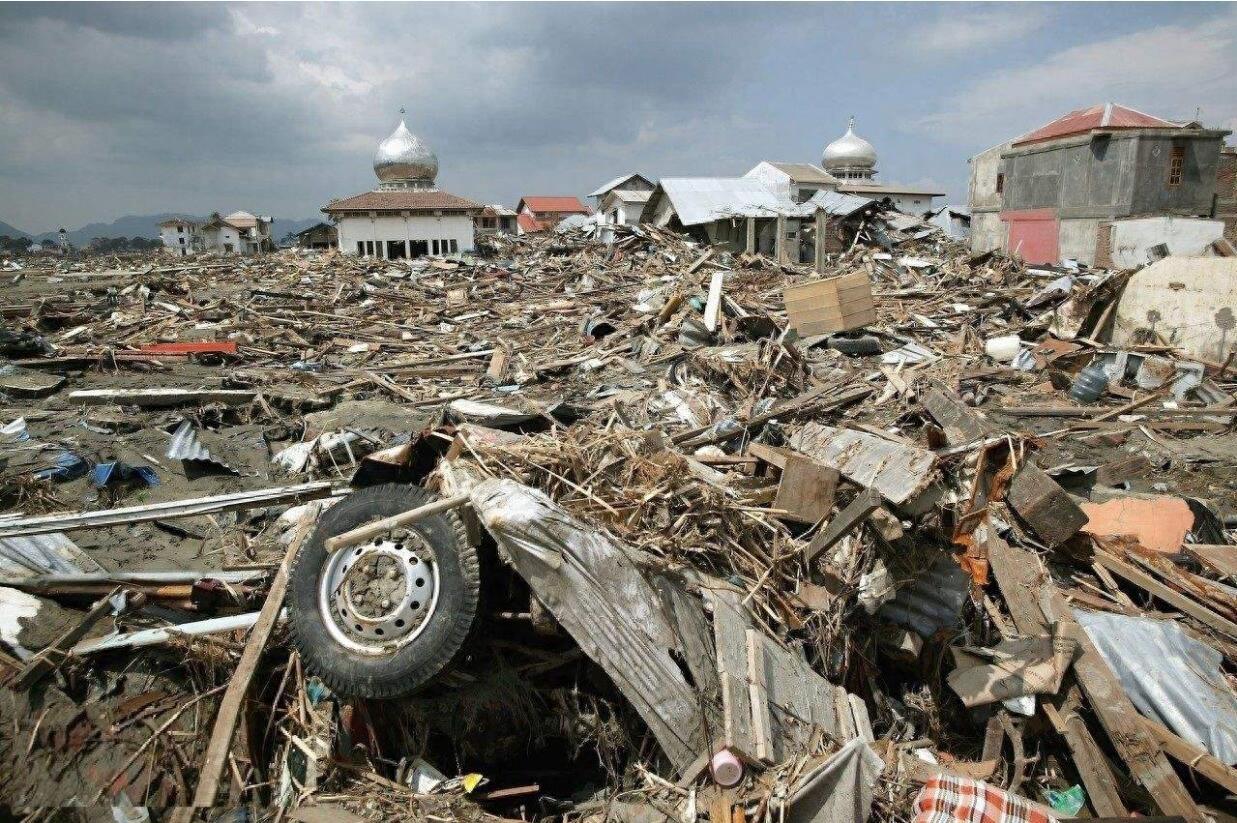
(796, 697)
(897, 470)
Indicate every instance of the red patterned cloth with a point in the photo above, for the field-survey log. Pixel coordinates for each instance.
(963, 800)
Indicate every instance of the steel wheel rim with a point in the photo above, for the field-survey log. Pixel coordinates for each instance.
(376, 598)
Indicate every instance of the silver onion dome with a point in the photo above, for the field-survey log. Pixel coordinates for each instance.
(849, 152)
(404, 160)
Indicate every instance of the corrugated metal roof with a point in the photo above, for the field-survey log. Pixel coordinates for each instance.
(804, 172)
(185, 446)
(605, 187)
(933, 601)
(54, 553)
(699, 200)
(1170, 677)
(839, 204)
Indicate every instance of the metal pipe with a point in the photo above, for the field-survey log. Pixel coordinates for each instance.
(153, 637)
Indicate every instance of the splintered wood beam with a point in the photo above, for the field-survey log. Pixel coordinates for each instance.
(866, 502)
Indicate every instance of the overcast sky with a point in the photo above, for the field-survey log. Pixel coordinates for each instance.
(109, 109)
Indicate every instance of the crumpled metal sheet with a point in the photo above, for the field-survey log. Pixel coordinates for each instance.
(54, 553)
(933, 601)
(1170, 677)
(186, 446)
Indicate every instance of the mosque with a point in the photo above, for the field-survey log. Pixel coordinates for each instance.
(407, 215)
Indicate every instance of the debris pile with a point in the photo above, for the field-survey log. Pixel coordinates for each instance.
(588, 526)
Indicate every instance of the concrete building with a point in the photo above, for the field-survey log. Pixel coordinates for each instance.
(180, 236)
(406, 216)
(1059, 183)
(319, 236)
(852, 160)
(987, 184)
(541, 212)
(1137, 241)
(1225, 208)
(621, 201)
(496, 219)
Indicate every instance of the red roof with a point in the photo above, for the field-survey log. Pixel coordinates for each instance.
(553, 203)
(1103, 116)
(402, 201)
(529, 223)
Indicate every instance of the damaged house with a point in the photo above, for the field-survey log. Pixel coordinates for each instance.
(1069, 188)
(742, 214)
(621, 201)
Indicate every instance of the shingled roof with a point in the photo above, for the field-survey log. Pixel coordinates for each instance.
(402, 201)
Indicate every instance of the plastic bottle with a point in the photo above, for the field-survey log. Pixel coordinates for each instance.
(1090, 383)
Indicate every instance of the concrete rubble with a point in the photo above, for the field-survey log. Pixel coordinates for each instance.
(729, 569)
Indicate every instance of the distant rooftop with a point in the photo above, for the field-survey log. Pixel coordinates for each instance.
(1102, 116)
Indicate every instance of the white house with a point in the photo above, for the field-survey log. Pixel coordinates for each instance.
(406, 216)
(621, 201)
(238, 233)
(180, 236)
(794, 181)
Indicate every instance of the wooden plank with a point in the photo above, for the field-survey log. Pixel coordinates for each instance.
(50, 658)
(713, 306)
(1044, 505)
(1192, 757)
(898, 471)
(806, 490)
(162, 398)
(758, 694)
(730, 638)
(866, 502)
(1173, 597)
(1019, 577)
(369, 531)
(960, 424)
(229, 708)
(1089, 759)
(1220, 559)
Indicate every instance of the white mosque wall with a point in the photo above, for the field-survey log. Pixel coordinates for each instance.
(412, 228)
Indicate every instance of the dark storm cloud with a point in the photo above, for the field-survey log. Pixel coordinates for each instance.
(108, 109)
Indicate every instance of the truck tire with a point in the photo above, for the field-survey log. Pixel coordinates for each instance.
(382, 619)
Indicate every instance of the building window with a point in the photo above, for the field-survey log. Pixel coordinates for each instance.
(360, 247)
(454, 246)
(433, 247)
(182, 241)
(180, 229)
(1176, 163)
(1000, 183)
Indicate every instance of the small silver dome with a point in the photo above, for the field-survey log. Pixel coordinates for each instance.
(850, 151)
(404, 160)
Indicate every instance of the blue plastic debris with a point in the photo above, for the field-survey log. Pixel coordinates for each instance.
(68, 466)
(117, 472)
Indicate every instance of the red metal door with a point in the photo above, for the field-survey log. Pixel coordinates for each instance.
(1034, 235)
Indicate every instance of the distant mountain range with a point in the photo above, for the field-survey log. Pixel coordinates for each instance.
(140, 225)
